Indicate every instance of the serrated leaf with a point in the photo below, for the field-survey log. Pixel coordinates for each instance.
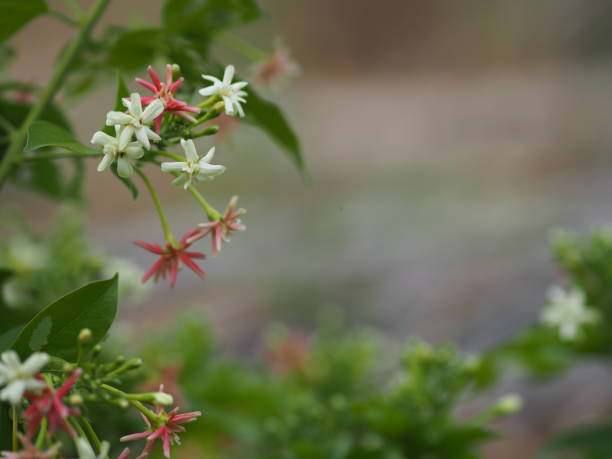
(14, 14)
(45, 134)
(269, 117)
(55, 328)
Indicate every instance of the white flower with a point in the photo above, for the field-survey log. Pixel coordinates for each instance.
(136, 121)
(112, 152)
(86, 451)
(19, 377)
(231, 93)
(194, 166)
(567, 310)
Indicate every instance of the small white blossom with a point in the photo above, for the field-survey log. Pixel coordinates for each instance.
(86, 451)
(568, 311)
(112, 152)
(231, 93)
(136, 121)
(194, 167)
(18, 377)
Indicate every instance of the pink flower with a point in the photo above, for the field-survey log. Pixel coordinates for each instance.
(278, 67)
(30, 451)
(172, 258)
(223, 228)
(49, 404)
(165, 92)
(166, 431)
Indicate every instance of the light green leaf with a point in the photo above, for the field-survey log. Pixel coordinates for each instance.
(135, 49)
(269, 117)
(45, 134)
(55, 328)
(14, 14)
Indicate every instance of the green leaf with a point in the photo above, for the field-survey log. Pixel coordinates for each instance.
(270, 118)
(14, 14)
(590, 441)
(121, 93)
(45, 134)
(198, 19)
(135, 49)
(55, 328)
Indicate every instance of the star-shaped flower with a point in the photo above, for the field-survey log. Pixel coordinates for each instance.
(165, 93)
(567, 311)
(136, 121)
(193, 167)
(172, 258)
(167, 431)
(30, 451)
(20, 377)
(231, 93)
(49, 404)
(112, 152)
(221, 230)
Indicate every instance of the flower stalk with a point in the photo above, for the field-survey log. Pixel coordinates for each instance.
(158, 206)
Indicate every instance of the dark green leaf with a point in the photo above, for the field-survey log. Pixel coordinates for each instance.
(14, 14)
(122, 91)
(45, 134)
(591, 442)
(135, 49)
(55, 328)
(198, 19)
(268, 117)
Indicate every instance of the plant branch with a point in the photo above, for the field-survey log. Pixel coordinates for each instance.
(160, 210)
(56, 81)
(46, 156)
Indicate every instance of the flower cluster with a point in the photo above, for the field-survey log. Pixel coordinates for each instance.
(142, 132)
(567, 310)
(45, 402)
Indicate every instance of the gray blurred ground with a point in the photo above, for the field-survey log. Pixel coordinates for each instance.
(433, 195)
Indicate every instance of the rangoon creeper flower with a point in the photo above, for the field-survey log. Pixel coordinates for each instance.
(278, 67)
(172, 258)
(19, 377)
(112, 152)
(165, 93)
(136, 121)
(167, 432)
(194, 167)
(30, 451)
(49, 404)
(221, 230)
(231, 93)
(568, 311)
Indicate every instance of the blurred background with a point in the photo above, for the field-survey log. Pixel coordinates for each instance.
(444, 139)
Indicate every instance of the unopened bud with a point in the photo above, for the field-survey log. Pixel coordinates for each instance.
(75, 399)
(85, 335)
(68, 367)
(219, 106)
(176, 71)
(133, 364)
(509, 404)
(162, 399)
(96, 351)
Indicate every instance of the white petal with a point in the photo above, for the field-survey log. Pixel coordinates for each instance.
(34, 363)
(229, 106)
(134, 150)
(102, 138)
(152, 135)
(11, 360)
(190, 150)
(209, 91)
(124, 168)
(142, 137)
(135, 107)
(228, 75)
(239, 85)
(173, 166)
(121, 118)
(33, 384)
(212, 170)
(208, 157)
(240, 110)
(188, 182)
(153, 110)
(13, 392)
(216, 81)
(179, 179)
(125, 137)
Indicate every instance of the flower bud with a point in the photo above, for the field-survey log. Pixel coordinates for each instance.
(162, 399)
(509, 404)
(176, 71)
(133, 364)
(75, 399)
(85, 335)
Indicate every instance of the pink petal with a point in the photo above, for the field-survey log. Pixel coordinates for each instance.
(154, 77)
(135, 436)
(173, 271)
(146, 84)
(62, 391)
(153, 270)
(194, 267)
(155, 248)
(174, 86)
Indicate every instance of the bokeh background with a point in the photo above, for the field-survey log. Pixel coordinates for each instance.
(445, 140)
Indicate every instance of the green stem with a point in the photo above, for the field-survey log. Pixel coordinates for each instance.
(6, 125)
(91, 433)
(151, 416)
(210, 101)
(74, 7)
(56, 81)
(62, 17)
(243, 47)
(42, 433)
(160, 211)
(210, 130)
(15, 444)
(77, 426)
(61, 155)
